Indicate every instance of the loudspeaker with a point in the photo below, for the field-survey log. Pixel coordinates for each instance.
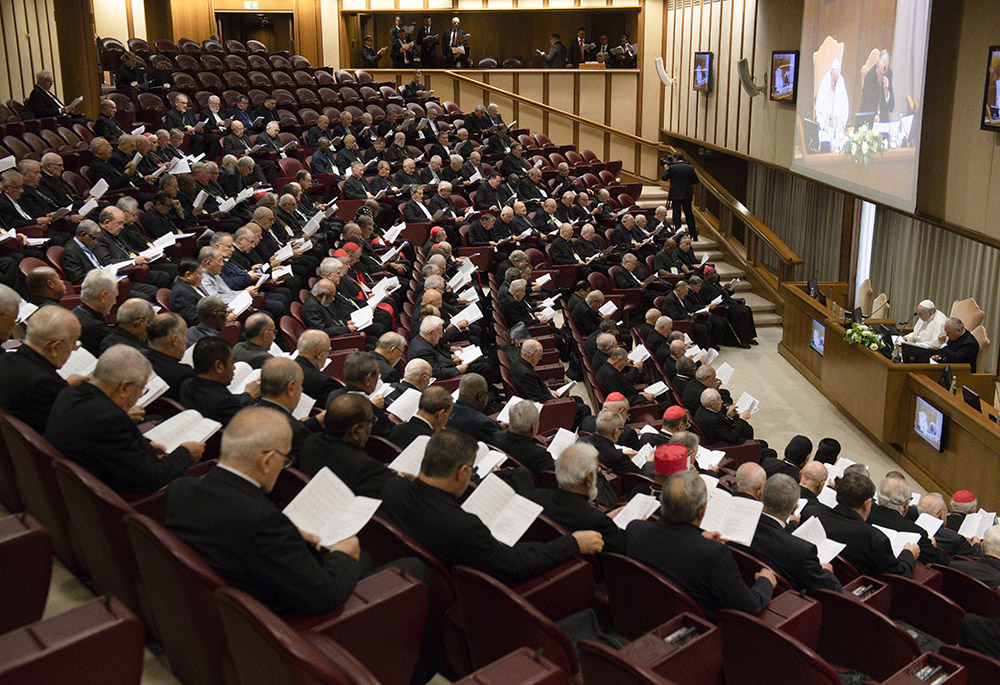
(746, 79)
(662, 73)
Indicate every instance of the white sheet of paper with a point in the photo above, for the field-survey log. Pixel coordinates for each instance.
(80, 362)
(87, 208)
(801, 505)
(608, 308)
(747, 402)
(560, 441)
(155, 386)
(547, 314)
(199, 199)
(639, 354)
(657, 388)
(188, 426)
(504, 415)
(639, 508)
(328, 508)
(393, 233)
(8, 163)
(24, 310)
(929, 523)
(503, 511)
(362, 318)
(487, 460)
(710, 356)
(459, 281)
(563, 390)
(897, 539)
(242, 302)
(470, 314)
(724, 373)
(302, 409)
(543, 279)
(828, 496)
(837, 469)
(227, 204)
(813, 531)
(469, 295)
(99, 189)
(647, 429)
(469, 353)
(408, 461)
(707, 458)
(243, 374)
(640, 457)
(735, 518)
(405, 406)
(388, 255)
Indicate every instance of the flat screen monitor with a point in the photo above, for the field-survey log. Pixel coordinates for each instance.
(812, 287)
(971, 398)
(991, 92)
(861, 73)
(928, 423)
(818, 339)
(857, 316)
(784, 75)
(703, 72)
(945, 380)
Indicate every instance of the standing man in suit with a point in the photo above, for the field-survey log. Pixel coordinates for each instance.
(454, 45)
(555, 58)
(682, 178)
(226, 517)
(90, 425)
(961, 348)
(701, 564)
(432, 414)
(429, 38)
(579, 52)
(794, 558)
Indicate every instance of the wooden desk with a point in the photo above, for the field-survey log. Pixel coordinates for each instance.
(797, 326)
(971, 455)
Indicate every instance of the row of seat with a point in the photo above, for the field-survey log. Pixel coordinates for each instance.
(111, 50)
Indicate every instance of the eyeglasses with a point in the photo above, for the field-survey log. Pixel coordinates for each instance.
(286, 460)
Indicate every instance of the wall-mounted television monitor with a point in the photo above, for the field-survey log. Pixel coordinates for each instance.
(991, 93)
(784, 75)
(703, 72)
(818, 339)
(928, 423)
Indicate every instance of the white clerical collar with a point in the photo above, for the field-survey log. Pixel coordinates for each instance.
(418, 416)
(780, 522)
(240, 474)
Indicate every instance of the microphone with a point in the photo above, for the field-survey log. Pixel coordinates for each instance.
(906, 323)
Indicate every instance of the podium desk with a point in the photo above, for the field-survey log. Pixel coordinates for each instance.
(970, 456)
(797, 326)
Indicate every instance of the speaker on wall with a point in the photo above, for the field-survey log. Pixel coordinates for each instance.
(746, 78)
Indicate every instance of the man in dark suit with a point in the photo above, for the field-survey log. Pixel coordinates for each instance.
(812, 480)
(611, 378)
(208, 390)
(585, 315)
(389, 350)
(184, 120)
(894, 495)
(427, 508)
(226, 517)
(514, 306)
(868, 549)
(519, 440)
(987, 568)
(678, 307)
(130, 324)
(106, 126)
(608, 428)
(704, 378)
(961, 348)
(514, 162)
(454, 46)
(702, 566)
(281, 390)
(90, 425)
(876, 90)
(428, 37)
(722, 426)
(43, 103)
(340, 447)
(682, 178)
(362, 376)
(793, 558)
(31, 379)
(97, 296)
(187, 291)
(427, 345)
(570, 506)
(259, 332)
(432, 415)
(796, 453)
(948, 541)
(166, 335)
(555, 58)
(467, 415)
(579, 51)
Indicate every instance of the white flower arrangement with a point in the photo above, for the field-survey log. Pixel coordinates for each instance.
(862, 144)
(862, 335)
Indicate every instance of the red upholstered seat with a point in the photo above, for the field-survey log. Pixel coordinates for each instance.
(25, 570)
(640, 598)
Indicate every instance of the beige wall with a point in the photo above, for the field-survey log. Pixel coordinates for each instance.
(112, 19)
(28, 31)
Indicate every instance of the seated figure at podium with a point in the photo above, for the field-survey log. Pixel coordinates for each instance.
(832, 105)
(961, 348)
(929, 329)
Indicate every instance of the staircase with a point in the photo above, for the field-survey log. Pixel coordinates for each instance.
(764, 313)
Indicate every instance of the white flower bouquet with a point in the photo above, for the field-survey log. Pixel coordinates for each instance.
(862, 144)
(862, 335)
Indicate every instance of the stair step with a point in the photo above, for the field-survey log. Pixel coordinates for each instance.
(743, 287)
(728, 272)
(758, 303)
(767, 319)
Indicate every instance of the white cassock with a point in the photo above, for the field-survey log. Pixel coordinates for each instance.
(832, 105)
(926, 333)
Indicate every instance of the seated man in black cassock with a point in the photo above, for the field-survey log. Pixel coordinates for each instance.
(208, 390)
(961, 348)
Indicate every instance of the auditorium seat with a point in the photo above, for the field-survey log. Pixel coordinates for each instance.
(95, 643)
(25, 570)
(521, 666)
(923, 608)
(601, 664)
(266, 651)
(982, 669)
(640, 598)
(753, 652)
(969, 593)
(256, 47)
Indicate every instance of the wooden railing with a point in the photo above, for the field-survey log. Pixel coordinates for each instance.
(759, 247)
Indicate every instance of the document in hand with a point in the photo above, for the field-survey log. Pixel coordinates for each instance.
(564, 389)
(8, 163)
(543, 279)
(408, 461)
(87, 207)
(152, 253)
(639, 354)
(639, 508)
(281, 272)
(504, 415)
(60, 213)
(837, 469)
(657, 389)
(973, 525)
(405, 406)
(80, 362)
(647, 429)
(503, 511)
(97, 192)
(242, 302)
(302, 409)
(136, 159)
(24, 310)
(469, 295)
(393, 233)
(243, 374)
(724, 373)
(707, 458)
(813, 531)
(362, 318)
(560, 441)
(546, 314)
(930, 524)
(469, 353)
(694, 353)
(188, 357)
(199, 199)
(735, 518)
(328, 508)
(388, 254)
(155, 386)
(227, 204)
(470, 314)
(487, 460)
(459, 280)
(188, 426)
(828, 496)
(897, 539)
(113, 269)
(747, 402)
(704, 258)
(179, 165)
(640, 457)
(608, 308)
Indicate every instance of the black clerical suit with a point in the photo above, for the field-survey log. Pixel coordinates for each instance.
(91, 430)
(610, 456)
(315, 383)
(436, 520)
(704, 568)
(528, 453)
(171, 370)
(364, 475)
(611, 380)
(108, 128)
(793, 558)
(405, 433)
(682, 178)
(93, 328)
(212, 399)
(574, 512)
(251, 353)
(893, 520)
(720, 429)
(868, 549)
(229, 521)
(466, 418)
(679, 310)
(962, 350)
(30, 386)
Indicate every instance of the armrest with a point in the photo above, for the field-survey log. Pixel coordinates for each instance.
(561, 591)
(740, 454)
(550, 372)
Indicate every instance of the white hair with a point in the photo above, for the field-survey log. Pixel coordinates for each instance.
(121, 364)
(96, 282)
(430, 323)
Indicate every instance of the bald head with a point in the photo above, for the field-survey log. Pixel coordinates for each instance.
(750, 479)
(813, 476)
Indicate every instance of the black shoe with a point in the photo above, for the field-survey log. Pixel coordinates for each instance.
(754, 342)
(745, 346)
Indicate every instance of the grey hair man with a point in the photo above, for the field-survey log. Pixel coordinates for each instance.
(960, 346)
(97, 296)
(894, 495)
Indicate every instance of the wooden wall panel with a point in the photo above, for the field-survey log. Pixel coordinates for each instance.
(30, 43)
(623, 102)
(192, 19)
(593, 92)
(561, 90)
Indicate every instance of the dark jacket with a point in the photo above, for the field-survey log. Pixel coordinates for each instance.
(42, 103)
(436, 520)
(315, 383)
(119, 336)
(241, 534)
(442, 365)
(301, 430)
(93, 328)
(528, 383)
(362, 474)
(30, 386)
(893, 520)
(468, 419)
(612, 380)
(251, 353)
(610, 456)
(170, 370)
(682, 178)
(719, 429)
(403, 434)
(321, 318)
(704, 568)
(793, 558)
(574, 512)
(963, 350)
(88, 428)
(184, 299)
(529, 453)
(212, 399)
(986, 569)
(773, 464)
(868, 550)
